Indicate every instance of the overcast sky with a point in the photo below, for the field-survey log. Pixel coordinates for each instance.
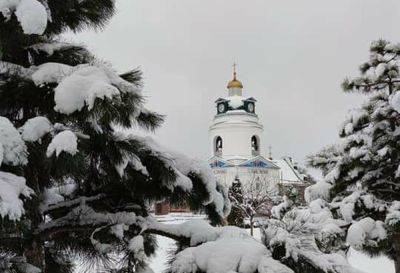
(291, 55)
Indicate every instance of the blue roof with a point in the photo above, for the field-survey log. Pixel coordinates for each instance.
(259, 162)
(256, 162)
(218, 162)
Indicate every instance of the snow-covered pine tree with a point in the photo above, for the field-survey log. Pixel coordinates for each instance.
(236, 216)
(361, 172)
(306, 239)
(74, 179)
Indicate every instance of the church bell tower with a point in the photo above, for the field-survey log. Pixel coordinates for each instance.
(237, 145)
(235, 132)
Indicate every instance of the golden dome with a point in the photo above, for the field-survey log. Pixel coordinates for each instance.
(235, 83)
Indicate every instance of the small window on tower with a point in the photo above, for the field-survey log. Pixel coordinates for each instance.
(255, 145)
(218, 146)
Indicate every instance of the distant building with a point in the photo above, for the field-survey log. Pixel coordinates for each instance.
(237, 145)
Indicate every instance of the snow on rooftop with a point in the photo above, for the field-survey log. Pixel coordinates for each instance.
(287, 171)
(236, 157)
(235, 101)
(237, 111)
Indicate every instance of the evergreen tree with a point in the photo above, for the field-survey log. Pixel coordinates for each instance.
(307, 239)
(73, 182)
(361, 172)
(236, 217)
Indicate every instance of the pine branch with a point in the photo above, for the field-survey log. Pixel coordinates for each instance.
(70, 203)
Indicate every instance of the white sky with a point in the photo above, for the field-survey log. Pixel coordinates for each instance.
(292, 57)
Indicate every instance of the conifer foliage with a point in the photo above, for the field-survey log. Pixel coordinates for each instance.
(307, 238)
(236, 217)
(361, 172)
(73, 182)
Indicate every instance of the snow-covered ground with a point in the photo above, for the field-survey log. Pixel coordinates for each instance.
(370, 265)
(166, 245)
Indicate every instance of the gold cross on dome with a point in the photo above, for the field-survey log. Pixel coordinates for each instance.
(234, 69)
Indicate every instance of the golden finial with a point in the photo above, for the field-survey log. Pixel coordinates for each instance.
(235, 83)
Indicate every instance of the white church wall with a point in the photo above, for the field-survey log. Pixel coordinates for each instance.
(236, 132)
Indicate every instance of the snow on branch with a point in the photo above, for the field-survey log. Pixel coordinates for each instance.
(358, 199)
(78, 86)
(85, 216)
(366, 232)
(50, 73)
(51, 48)
(393, 215)
(319, 190)
(183, 166)
(12, 187)
(69, 203)
(228, 254)
(195, 231)
(211, 249)
(300, 235)
(380, 71)
(132, 161)
(13, 150)
(35, 128)
(9, 262)
(81, 88)
(65, 141)
(81, 85)
(278, 210)
(217, 249)
(31, 14)
(15, 70)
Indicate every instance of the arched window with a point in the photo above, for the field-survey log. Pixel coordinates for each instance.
(255, 145)
(218, 146)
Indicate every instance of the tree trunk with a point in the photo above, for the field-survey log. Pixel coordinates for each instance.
(252, 227)
(34, 254)
(396, 247)
(34, 246)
